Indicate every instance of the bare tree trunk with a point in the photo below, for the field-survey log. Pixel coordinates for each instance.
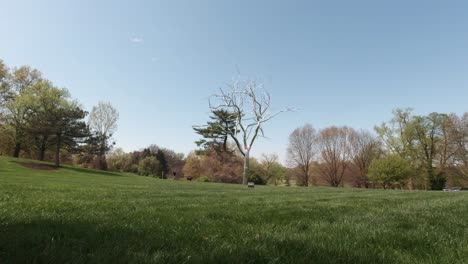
(41, 154)
(17, 150)
(306, 178)
(42, 149)
(57, 149)
(245, 175)
(101, 156)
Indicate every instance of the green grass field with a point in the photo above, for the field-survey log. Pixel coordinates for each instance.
(75, 215)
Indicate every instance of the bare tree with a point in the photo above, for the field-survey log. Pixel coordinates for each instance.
(268, 162)
(302, 149)
(336, 152)
(460, 139)
(103, 123)
(448, 144)
(250, 106)
(364, 149)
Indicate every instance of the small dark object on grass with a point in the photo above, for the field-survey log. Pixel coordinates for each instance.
(250, 184)
(190, 178)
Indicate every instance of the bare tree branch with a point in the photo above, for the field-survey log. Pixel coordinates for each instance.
(250, 104)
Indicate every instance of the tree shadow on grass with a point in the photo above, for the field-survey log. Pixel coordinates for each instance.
(48, 241)
(48, 166)
(35, 165)
(90, 171)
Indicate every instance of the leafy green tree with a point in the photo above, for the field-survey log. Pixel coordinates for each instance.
(16, 113)
(44, 99)
(118, 160)
(16, 101)
(96, 144)
(175, 161)
(422, 140)
(5, 91)
(270, 169)
(149, 166)
(7, 140)
(276, 174)
(163, 166)
(389, 171)
(164, 157)
(256, 172)
(396, 135)
(23, 77)
(70, 130)
(216, 132)
(427, 133)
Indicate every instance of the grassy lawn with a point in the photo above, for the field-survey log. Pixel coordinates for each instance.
(74, 215)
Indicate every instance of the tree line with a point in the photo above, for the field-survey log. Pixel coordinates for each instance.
(40, 120)
(153, 161)
(409, 151)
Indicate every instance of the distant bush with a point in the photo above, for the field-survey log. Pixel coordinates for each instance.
(438, 182)
(390, 171)
(148, 166)
(133, 168)
(202, 179)
(217, 167)
(257, 179)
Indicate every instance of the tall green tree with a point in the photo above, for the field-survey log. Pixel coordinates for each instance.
(149, 166)
(428, 133)
(397, 135)
(16, 102)
(389, 171)
(44, 99)
(16, 114)
(163, 166)
(23, 77)
(66, 119)
(423, 140)
(5, 91)
(215, 134)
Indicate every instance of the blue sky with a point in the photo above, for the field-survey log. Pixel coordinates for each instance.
(340, 62)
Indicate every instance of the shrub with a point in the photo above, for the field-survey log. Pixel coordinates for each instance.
(202, 179)
(148, 166)
(389, 171)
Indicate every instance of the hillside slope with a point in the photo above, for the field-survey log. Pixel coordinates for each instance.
(74, 215)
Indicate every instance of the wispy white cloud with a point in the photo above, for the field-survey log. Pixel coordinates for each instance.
(137, 40)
